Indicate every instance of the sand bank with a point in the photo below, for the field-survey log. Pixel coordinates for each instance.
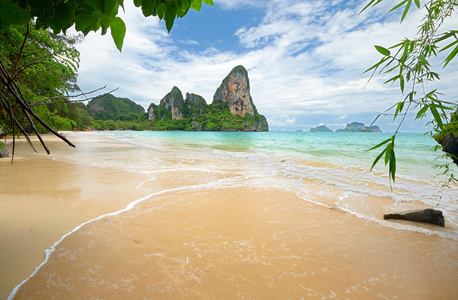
(198, 236)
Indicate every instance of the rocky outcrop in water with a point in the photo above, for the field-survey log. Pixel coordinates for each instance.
(448, 138)
(322, 128)
(359, 127)
(429, 215)
(232, 108)
(4, 153)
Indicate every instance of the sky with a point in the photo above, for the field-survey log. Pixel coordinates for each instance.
(305, 59)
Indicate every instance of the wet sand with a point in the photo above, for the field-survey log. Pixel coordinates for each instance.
(202, 241)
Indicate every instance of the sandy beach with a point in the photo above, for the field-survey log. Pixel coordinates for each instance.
(42, 199)
(197, 237)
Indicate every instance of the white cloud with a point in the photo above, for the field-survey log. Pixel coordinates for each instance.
(304, 59)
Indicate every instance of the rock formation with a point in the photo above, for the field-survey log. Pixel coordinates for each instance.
(448, 138)
(172, 102)
(4, 153)
(322, 128)
(232, 108)
(359, 127)
(235, 90)
(429, 215)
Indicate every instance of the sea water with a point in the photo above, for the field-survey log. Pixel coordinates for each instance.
(298, 161)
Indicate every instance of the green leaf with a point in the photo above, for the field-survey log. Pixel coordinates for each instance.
(383, 50)
(436, 115)
(421, 112)
(401, 83)
(370, 4)
(398, 109)
(110, 7)
(98, 5)
(148, 8)
(423, 60)
(399, 5)
(138, 3)
(392, 79)
(82, 22)
(10, 14)
(417, 3)
(170, 15)
(196, 4)
(64, 17)
(451, 56)
(406, 10)
(392, 166)
(376, 65)
(377, 159)
(446, 36)
(379, 145)
(449, 46)
(118, 31)
(208, 2)
(1, 146)
(388, 152)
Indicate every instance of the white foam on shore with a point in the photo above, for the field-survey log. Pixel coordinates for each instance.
(129, 207)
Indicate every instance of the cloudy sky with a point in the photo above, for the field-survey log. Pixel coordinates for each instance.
(305, 59)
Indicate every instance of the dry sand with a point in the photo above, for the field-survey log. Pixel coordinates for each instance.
(221, 243)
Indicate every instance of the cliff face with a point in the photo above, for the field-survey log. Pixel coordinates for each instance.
(235, 90)
(232, 108)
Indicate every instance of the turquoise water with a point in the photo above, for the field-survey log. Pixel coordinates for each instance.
(413, 151)
(328, 169)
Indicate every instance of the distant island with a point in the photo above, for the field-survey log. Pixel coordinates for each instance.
(232, 109)
(359, 127)
(351, 127)
(321, 128)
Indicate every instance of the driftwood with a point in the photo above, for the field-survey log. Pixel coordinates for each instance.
(429, 215)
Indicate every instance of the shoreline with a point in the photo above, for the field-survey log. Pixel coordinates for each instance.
(269, 231)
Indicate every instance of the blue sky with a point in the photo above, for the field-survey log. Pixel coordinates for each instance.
(304, 59)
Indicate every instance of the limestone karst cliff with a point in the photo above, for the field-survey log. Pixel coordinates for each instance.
(232, 108)
(235, 91)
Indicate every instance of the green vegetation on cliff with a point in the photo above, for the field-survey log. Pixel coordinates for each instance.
(109, 107)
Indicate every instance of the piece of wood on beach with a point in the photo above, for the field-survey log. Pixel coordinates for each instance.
(429, 215)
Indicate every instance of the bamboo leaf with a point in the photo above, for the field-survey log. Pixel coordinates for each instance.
(436, 115)
(449, 46)
(451, 56)
(421, 112)
(378, 158)
(370, 4)
(417, 3)
(399, 5)
(446, 36)
(398, 109)
(392, 166)
(379, 145)
(404, 14)
(392, 79)
(388, 152)
(382, 50)
(401, 83)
